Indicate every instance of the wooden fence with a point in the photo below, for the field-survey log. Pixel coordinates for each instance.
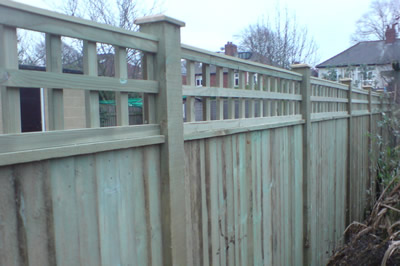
(273, 183)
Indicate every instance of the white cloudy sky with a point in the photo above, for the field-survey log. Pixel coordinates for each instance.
(211, 23)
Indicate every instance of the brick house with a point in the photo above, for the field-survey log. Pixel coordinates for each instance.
(231, 50)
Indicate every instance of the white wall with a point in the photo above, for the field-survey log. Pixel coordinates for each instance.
(377, 81)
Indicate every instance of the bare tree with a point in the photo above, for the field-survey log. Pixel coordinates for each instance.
(119, 13)
(280, 42)
(372, 25)
(31, 48)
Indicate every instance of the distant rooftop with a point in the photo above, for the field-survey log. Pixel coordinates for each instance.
(366, 53)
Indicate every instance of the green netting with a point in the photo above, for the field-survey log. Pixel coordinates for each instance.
(132, 102)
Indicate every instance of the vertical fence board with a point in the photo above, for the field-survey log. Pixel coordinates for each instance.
(108, 189)
(204, 203)
(257, 192)
(236, 205)
(33, 213)
(250, 178)
(9, 240)
(298, 196)
(65, 212)
(242, 197)
(130, 204)
(139, 212)
(86, 199)
(266, 198)
(193, 188)
(229, 237)
(222, 208)
(152, 180)
(287, 195)
(212, 197)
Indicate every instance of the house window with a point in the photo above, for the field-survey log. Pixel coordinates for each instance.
(365, 77)
(236, 79)
(199, 80)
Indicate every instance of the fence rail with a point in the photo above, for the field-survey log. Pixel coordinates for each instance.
(264, 166)
(57, 24)
(258, 91)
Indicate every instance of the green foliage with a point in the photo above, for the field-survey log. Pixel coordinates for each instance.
(364, 78)
(388, 158)
(331, 74)
(366, 73)
(349, 71)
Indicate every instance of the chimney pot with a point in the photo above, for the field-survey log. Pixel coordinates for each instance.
(390, 34)
(231, 49)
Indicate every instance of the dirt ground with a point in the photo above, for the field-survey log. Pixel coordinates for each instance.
(377, 240)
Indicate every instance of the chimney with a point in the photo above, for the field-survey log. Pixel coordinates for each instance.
(231, 49)
(390, 34)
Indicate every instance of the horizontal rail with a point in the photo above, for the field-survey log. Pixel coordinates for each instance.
(328, 83)
(376, 112)
(41, 140)
(360, 112)
(39, 79)
(36, 19)
(215, 128)
(358, 101)
(20, 148)
(252, 94)
(329, 99)
(87, 148)
(203, 56)
(316, 117)
(357, 91)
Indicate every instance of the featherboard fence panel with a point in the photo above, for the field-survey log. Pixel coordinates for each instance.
(93, 196)
(268, 170)
(293, 150)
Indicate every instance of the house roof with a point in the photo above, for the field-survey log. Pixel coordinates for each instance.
(366, 53)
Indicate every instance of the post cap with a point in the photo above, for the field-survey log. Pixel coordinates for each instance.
(297, 66)
(159, 18)
(346, 81)
(367, 87)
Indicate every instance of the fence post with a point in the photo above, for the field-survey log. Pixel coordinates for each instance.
(169, 115)
(305, 109)
(348, 82)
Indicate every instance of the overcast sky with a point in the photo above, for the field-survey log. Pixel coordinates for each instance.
(211, 23)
